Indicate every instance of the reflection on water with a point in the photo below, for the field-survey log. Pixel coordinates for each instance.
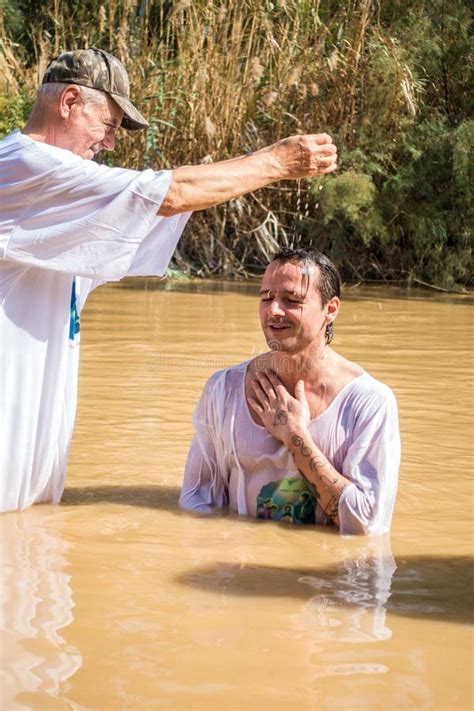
(350, 605)
(343, 603)
(37, 604)
(437, 588)
(118, 600)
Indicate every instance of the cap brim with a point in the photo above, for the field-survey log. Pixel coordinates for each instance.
(132, 119)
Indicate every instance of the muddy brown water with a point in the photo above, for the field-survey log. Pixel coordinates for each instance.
(117, 600)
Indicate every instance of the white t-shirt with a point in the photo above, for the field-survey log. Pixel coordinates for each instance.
(233, 461)
(66, 226)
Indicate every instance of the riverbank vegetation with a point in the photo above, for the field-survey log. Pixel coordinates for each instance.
(389, 80)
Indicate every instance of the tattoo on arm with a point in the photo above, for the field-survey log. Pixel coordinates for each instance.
(297, 441)
(311, 485)
(332, 507)
(299, 444)
(281, 417)
(330, 483)
(316, 463)
(334, 482)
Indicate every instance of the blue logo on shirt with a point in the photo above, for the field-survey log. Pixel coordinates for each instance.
(74, 318)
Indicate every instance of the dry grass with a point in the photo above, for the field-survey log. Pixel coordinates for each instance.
(217, 79)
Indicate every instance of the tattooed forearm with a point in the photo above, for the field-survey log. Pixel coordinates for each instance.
(299, 444)
(327, 483)
(332, 507)
(316, 463)
(334, 485)
(334, 482)
(311, 484)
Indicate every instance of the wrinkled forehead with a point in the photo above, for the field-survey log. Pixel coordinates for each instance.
(295, 277)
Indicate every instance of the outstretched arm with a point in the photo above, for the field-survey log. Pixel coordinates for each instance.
(198, 187)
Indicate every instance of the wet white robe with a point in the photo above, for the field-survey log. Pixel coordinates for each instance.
(66, 226)
(233, 461)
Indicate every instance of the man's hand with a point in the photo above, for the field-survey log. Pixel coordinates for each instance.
(287, 419)
(306, 156)
(281, 414)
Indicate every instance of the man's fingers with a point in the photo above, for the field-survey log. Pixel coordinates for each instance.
(325, 162)
(324, 159)
(260, 393)
(325, 171)
(299, 390)
(327, 149)
(263, 389)
(277, 385)
(255, 405)
(266, 384)
(279, 389)
(322, 156)
(322, 138)
(273, 378)
(306, 156)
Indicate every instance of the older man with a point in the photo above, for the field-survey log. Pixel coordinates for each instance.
(299, 433)
(68, 224)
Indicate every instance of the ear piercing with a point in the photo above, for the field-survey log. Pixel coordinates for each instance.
(329, 333)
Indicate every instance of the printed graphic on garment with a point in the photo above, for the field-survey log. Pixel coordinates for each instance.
(290, 500)
(74, 318)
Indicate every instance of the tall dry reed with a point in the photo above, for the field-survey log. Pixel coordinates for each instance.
(219, 78)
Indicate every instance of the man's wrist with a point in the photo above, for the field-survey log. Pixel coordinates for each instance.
(296, 437)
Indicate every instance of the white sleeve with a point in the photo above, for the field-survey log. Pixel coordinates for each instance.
(203, 486)
(155, 251)
(372, 463)
(75, 216)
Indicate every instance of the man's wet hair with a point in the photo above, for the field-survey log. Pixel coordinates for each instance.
(329, 282)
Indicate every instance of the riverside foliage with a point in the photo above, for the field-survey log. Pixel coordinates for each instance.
(389, 80)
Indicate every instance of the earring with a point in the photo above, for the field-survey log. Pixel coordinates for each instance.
(329, 333)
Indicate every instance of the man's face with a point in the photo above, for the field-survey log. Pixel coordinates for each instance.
(92, 127)
(291, 313)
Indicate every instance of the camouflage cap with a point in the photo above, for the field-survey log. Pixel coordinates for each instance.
(98, 70)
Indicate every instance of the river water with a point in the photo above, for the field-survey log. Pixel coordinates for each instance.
(117, 600)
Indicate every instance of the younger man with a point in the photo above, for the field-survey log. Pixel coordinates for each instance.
(299, 432)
